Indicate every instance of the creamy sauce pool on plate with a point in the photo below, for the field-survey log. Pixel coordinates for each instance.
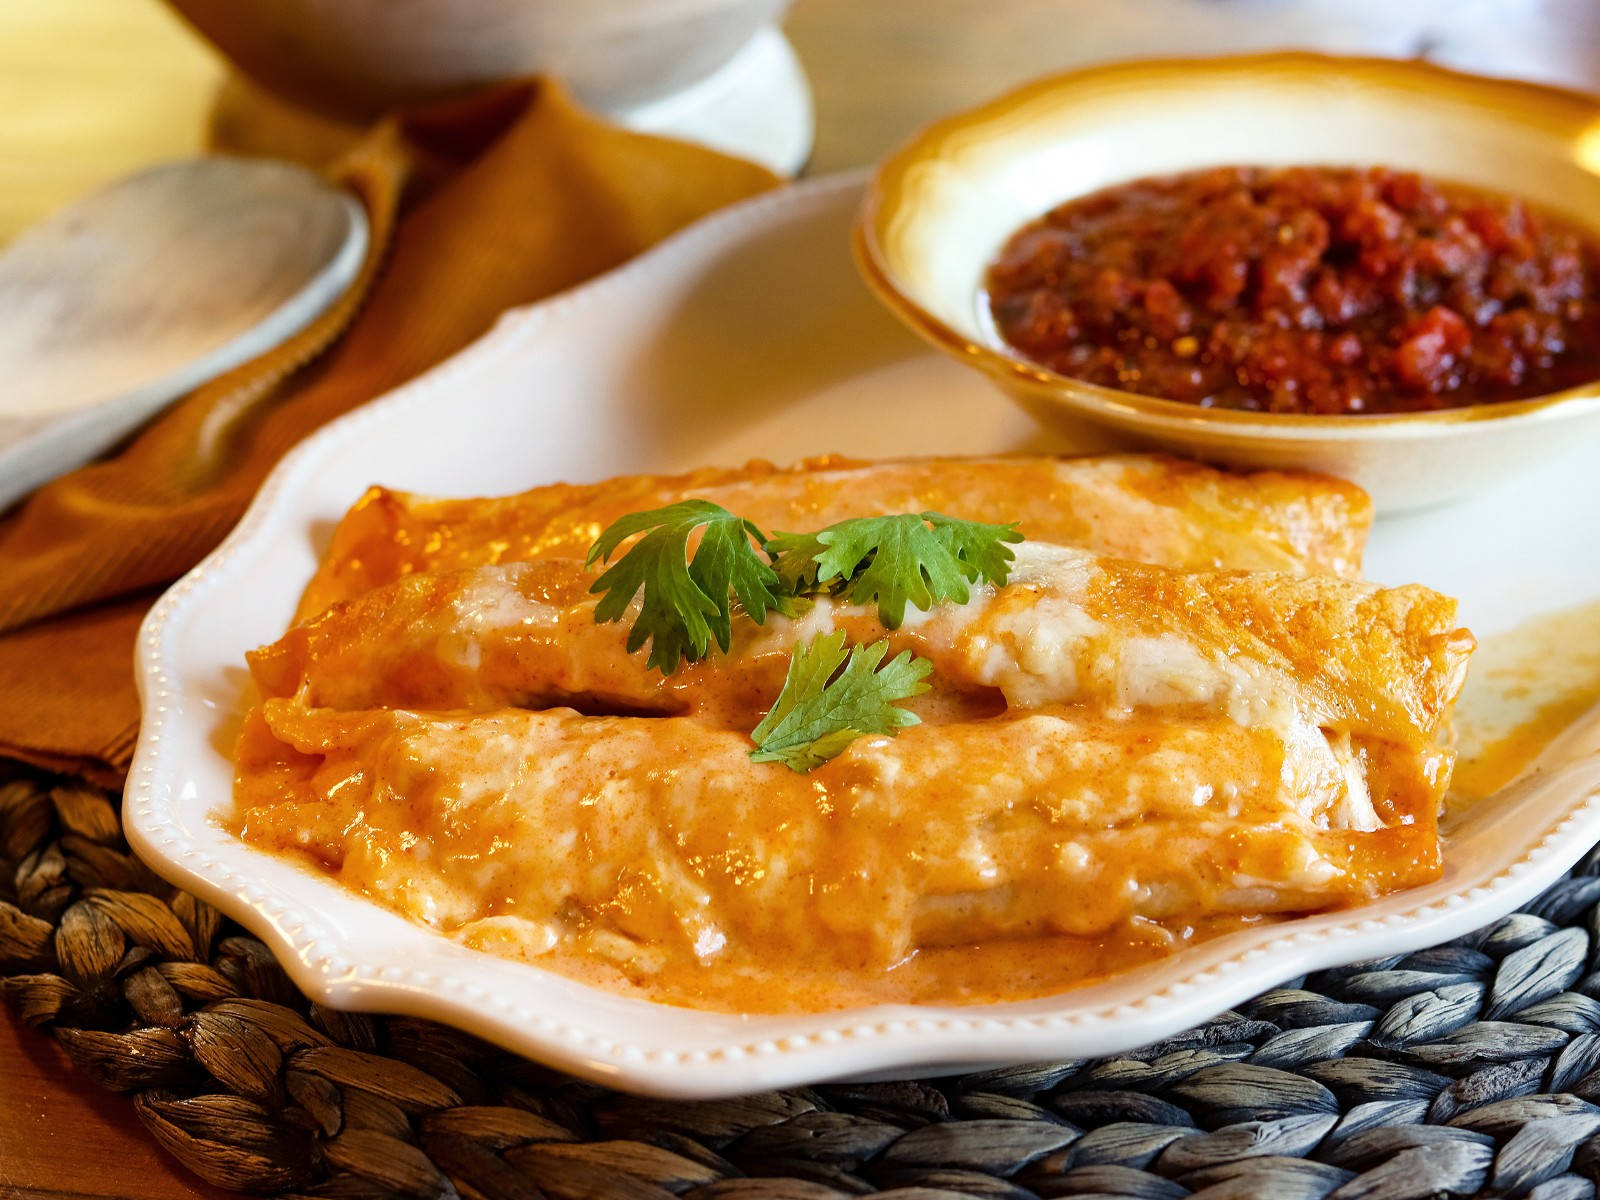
(1525, 686)
(991, 972)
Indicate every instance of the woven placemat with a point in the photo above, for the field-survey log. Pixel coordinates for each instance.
(1467, 1069)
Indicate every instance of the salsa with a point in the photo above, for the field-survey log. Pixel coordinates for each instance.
(1304, 290)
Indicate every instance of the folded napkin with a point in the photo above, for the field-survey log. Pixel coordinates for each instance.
(474, 206)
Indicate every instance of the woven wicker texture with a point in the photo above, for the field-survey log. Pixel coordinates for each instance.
(1471, 1068)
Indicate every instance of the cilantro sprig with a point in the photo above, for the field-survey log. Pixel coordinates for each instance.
(832, 695)
(687, 601)
(920, 559)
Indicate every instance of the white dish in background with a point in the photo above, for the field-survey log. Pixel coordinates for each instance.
(757, 105)
(124, 300)
(749, 334)
(360, 59)
(717, 72)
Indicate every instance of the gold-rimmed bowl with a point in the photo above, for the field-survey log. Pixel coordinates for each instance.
(939, 209)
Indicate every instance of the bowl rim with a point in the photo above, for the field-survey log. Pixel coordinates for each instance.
(887, 185)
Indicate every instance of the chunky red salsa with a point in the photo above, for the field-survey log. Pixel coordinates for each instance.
(1304, 290)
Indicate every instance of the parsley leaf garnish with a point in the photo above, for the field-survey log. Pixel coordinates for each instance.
(687, 602)
(822, 709)
(919, 559)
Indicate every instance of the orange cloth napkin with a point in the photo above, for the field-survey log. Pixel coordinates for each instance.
(476, 206)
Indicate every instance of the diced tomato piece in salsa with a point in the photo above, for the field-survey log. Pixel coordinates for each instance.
(1304, 290)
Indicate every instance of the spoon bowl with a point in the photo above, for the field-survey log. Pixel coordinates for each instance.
(142, 291)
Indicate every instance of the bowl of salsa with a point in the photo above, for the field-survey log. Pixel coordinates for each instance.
(1383, 270)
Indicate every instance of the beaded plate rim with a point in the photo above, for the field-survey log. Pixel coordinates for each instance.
(332, 943)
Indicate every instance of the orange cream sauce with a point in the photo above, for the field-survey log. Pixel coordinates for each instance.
(1145, 507)
(655, 847)
(1525, 687)
(991, 972)
(948, 865)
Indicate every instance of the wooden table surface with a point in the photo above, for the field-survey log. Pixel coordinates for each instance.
(61, 1136)
(92, 89)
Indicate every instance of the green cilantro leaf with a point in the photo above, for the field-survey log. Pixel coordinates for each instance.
(981, 548)
(687, 602)
(891, 561)
(823, 708)
(794, 557)
(919, 559)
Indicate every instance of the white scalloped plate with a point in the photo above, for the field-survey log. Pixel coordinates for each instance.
(747, 335)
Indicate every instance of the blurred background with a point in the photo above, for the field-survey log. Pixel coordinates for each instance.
(91, 89)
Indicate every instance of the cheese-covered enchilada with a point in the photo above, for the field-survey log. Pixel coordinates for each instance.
(1179, 711)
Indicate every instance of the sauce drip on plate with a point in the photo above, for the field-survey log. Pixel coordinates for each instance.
(1525, 687)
